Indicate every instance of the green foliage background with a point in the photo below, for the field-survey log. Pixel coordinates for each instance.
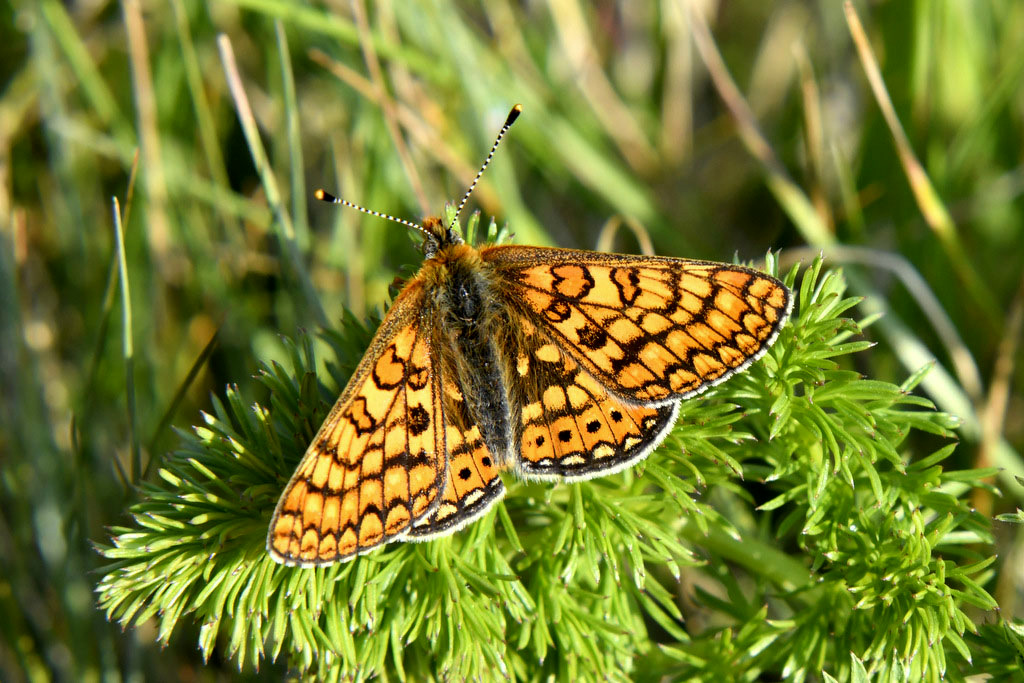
(807, 531)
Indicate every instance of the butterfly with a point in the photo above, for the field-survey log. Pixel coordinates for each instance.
(557, 364)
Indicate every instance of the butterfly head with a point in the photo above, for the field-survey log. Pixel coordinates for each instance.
(439, 236)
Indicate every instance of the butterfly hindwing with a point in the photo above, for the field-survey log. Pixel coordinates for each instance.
(472, 480)
(650, 329)
(569, 425)
(376, 465)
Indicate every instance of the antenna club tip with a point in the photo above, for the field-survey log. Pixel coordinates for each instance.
(513, 115)
(324, 196)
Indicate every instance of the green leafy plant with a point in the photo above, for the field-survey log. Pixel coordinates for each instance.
(783, 527)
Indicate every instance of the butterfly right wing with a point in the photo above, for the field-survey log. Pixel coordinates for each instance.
(609, 344)
(377, 465)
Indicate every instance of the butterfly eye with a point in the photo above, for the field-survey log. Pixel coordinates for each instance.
(430, 247)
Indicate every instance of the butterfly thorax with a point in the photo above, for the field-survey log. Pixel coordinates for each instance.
(461, 302)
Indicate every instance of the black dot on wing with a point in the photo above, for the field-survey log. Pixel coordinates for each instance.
(465, 473)
(565, 436)
(419, 420)
(593, 426)
(616, 416)
(485, 461)
(592, 337)
(540, 440)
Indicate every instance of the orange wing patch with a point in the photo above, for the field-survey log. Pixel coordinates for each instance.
(375, 466)
(570, 427)
(650, 329)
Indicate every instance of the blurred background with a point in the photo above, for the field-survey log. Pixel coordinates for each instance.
(711, 130)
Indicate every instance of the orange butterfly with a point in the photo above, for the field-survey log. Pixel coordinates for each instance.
(555, 363)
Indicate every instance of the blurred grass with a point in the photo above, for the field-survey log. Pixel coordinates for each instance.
(621, 118)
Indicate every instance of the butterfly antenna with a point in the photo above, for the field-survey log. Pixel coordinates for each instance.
(512, 116)
(326, 196)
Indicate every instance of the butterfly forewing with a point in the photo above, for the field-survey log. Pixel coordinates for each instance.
(377, 464)
(648, 329)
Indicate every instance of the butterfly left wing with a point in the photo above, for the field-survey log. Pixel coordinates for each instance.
(377, 464)
(649, 329)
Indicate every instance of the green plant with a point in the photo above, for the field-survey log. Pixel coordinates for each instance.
(568, 580)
